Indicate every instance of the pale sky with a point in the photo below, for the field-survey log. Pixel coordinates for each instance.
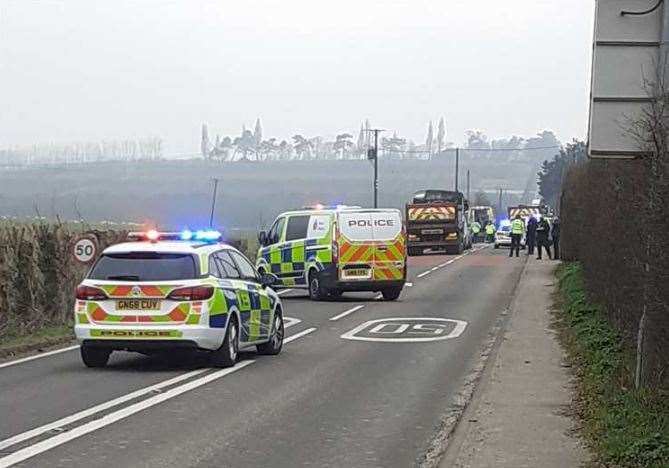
(78, 70)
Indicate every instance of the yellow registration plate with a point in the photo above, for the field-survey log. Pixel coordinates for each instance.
(138, 304)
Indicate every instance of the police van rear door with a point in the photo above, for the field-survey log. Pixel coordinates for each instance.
(389, 249)
(356, 246)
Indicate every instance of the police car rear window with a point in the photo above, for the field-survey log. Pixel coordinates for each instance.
(144, 266)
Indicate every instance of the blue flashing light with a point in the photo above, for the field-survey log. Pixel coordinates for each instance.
(203, 235)
(505, 222)
(207, 235)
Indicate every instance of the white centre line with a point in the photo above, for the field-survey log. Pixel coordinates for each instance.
(297, 335)
(48, 444)
(434, 268)
(347, 312)
(38, 356)
(424, 273)
(96, 409)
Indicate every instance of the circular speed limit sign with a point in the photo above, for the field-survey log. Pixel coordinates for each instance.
(84, 250)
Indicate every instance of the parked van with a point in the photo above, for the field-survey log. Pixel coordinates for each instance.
(332, 250)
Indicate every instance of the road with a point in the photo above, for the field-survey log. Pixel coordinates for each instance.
(324, 401)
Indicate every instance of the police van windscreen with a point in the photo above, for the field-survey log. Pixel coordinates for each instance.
(144, 266)
(370, 225)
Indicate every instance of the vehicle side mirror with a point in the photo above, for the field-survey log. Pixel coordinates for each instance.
(268, 279)
(262, 238)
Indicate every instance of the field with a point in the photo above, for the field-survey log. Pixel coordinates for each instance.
(175, 194)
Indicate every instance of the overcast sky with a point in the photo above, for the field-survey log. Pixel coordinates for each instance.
(73, 70)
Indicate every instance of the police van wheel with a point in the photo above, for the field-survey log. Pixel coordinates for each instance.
(391, 294)
(227, 354)
(94, 357)
(316, 290)
(275, 343)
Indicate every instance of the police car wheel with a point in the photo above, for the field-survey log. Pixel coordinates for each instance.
(226, 355)
(275, 343)
(316, 290)
(391, 294)
(94, 357)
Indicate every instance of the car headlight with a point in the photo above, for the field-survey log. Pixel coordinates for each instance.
(413, 237)
(452, 235)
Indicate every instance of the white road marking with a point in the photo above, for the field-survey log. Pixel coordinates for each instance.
(424, 273)
(349, 311)
(460, 326)
(40, 447)
(434, 268)
(284, 291)
(290, 321)
(38, 356)
(96, 409)
(408, 285)
(294, 337)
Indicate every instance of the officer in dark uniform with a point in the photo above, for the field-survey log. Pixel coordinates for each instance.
(543, 229)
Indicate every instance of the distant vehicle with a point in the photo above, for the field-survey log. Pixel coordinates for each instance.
(503, 236)
(176, 291)
(435, 219)
(331, 250)
(526, 211)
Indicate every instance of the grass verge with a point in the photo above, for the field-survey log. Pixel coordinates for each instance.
(624, 426)
(13, 342)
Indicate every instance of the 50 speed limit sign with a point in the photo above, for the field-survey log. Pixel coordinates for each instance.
(84, 249)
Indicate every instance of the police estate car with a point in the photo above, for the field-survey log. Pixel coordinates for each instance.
(169, 291)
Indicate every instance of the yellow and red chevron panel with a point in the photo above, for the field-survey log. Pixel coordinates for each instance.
(431, 213)
(182, 313)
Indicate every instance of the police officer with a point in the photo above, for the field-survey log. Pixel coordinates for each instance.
(476, 230)
(490, 232)
(555, 234)
(543, 229)
(517, 230)
(531, 234)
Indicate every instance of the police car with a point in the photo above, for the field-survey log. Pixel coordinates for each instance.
(503, 235)
(330, 250)
(167, 291)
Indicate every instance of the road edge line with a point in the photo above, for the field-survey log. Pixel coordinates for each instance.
(37, 356)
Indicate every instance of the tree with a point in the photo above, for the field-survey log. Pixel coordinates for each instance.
(429, 139)
(244, 144)
(441, 135)
(343, 144)
(257, 133)
(302, 146)
(204, 145)
(481, 199)
(553, 171)
(361, 140)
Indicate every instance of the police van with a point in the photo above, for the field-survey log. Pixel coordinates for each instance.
(169, 291)
(330, 250)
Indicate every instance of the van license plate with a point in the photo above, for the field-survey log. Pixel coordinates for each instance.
(357, 273)
(138, 304)
(432, 231)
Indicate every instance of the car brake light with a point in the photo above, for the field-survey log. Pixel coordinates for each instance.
(89, 293)
(194, 293)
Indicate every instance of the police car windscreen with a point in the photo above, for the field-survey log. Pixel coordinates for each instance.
(144, 266)
(370, 225)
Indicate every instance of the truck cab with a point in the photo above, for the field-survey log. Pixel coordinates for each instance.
(435, 219)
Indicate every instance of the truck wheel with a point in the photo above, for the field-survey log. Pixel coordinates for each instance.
(226, 355)
(94, 357)
(275, 343)
(316, 290)
(391, 294)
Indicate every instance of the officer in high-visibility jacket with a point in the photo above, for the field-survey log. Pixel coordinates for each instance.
(517, 231)
(490, 232)
(476, 230)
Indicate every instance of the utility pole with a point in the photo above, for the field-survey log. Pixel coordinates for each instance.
(499, 204)
(213, 203)
(457, 167)
(374, 154)
(468, 185)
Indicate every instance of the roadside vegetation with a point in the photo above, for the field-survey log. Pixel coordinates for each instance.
(625, 426)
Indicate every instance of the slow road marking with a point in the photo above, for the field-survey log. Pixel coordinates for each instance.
(407, 330)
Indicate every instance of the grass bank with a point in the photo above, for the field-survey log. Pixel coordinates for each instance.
(625, 427)
(18, 342)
